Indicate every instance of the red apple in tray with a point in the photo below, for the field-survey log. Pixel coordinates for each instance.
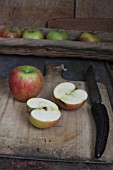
(69, 97)
(25, 82)
(89, 37)
(10, 32)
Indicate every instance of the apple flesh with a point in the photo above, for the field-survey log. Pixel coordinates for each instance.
(42, 113)
(10, 32)
(68, 96)
(89, 37)
(57, 35)
(25, 82)
(33, 33)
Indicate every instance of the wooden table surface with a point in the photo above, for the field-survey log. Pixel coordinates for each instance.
(75, 71)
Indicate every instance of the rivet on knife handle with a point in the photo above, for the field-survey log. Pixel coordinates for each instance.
(99, 113)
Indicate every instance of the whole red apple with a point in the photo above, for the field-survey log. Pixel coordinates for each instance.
(25, 82)
(10, 32)
(89, 37)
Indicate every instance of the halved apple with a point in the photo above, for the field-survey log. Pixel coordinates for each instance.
(43, 113)
(68, 96)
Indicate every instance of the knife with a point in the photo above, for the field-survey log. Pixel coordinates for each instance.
(99, 113)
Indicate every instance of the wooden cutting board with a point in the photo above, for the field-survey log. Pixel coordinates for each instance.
(71, 139)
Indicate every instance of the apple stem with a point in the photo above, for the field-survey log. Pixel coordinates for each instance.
(69, 92)
(45, 108)
(41, 108)
(12, 29)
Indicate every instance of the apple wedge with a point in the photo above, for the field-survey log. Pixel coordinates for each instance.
(43, 113)
(68, 96)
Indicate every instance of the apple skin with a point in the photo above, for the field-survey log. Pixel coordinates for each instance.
(32, 33)
(66, 106)
(42, 107)
(67, 96)
(57, 35)
(89, 37)
(40, 124)
(25, 82)
(10, 32)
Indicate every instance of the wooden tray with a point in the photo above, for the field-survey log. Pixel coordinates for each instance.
(52, 48)
(71, 139)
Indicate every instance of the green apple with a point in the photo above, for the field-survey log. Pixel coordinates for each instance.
(42, 113)
(57, 35)
(89, 37)
(25, 82)
(32, 33)
(68, 96)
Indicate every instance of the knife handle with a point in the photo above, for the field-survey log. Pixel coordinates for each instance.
(101, 119)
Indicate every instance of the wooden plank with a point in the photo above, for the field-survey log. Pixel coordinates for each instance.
(82, 24)
(94, 9)
(35, 13)
(59, 54)
(71, 139)
(15, 164)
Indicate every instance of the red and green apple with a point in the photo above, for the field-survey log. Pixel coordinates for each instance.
(25, 82)
(68, 97)
(42, 113)
(10, 32)
(89, 37)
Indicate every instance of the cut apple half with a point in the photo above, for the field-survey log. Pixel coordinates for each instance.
(43, 113)
(68, 96)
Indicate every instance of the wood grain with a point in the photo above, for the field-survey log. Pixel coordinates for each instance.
(34, 13)
(71, 139)
(94, 9)
(82, 24)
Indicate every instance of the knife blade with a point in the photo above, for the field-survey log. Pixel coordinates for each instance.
(94, 93)
(99, 113)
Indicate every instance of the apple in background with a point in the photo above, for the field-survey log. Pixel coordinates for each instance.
(25, 82)
(57, 35)
(42, 113)
(89, 37)
(10, 32)
(69, 97)
(32, 33)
